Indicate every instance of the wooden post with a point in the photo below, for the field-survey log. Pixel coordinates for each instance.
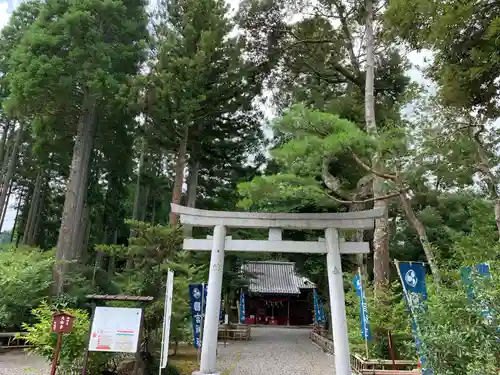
(288, 313)
(391, 350)
(57, 351)
(139, 363)
(87, 352)
(61, 323)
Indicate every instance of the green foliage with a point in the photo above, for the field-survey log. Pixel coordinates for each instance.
(458, 339)
(282, 192)
(311, 138)
(155, 249)
(171, 370)
(5, 237)
(25, 280)
(315, 135)
(43, 341)
(56, 59)
(481, 245)
(449, 219)
(463, 35)
(387, 312)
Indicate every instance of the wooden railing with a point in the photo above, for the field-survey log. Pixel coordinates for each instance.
(238, 332)
(13, 340)
(363, 366)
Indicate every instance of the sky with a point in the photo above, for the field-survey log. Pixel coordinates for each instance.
(418, 59)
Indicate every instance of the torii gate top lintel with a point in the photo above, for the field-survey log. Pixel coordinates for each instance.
(341, 220)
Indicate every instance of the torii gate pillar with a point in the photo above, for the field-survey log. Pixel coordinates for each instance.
(337, 303)
(332, 245)
(211, 329)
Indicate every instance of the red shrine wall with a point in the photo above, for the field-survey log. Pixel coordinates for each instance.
(295, 310)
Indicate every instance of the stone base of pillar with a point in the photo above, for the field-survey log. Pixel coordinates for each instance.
(200, 373)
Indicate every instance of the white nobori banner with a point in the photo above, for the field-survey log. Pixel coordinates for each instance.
(169, 290)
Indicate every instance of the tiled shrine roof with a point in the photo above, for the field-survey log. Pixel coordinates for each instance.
(273, 277)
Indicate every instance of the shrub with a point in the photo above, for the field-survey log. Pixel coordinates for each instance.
(171, 370)
(25, 280)
(457, 337)
(387, 313)
(44, 341)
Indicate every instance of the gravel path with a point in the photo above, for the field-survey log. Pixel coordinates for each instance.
(20, 363)
(276, 351)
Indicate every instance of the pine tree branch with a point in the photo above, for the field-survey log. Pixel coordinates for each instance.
(347, 33)
(336, 66)
(374, 199)
(369, 169)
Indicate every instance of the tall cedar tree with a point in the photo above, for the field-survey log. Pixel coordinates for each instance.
(74, 59)
(199, 85)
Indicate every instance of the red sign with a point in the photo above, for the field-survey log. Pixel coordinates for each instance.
(62, 322)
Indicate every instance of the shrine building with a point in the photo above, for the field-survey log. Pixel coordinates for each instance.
(277, 295)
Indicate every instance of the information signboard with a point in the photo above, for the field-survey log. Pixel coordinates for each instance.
(115, 329)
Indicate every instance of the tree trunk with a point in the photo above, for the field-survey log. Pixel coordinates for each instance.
(497, 215)
(33, 240)
(76, 191)
(194, 170)
(112, 259)
(112, 265)
(153, 212)
(3, 142)
(86, 237)
(140, 169)
(180, 166)
(81, 233)
(359, 234)
(33, 211)
(6, 158)
(11, 167)
(5, 164)
(422, 236)
(2, 219)
(144, 210)
(491, 180)
(381, 266)
(14, 230)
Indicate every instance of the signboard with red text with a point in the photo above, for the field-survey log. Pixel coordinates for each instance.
(62, 322)
(115, 329)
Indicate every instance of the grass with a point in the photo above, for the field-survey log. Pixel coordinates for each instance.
(186, 359)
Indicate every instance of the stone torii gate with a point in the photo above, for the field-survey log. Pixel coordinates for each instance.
(332, 245)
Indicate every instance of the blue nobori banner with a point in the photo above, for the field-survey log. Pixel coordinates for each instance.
(198, 303)
(196, 300)
(412, 277)
(318, 311)
(322, 309)
(363, 307)
(468, 275)
(242, 307)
